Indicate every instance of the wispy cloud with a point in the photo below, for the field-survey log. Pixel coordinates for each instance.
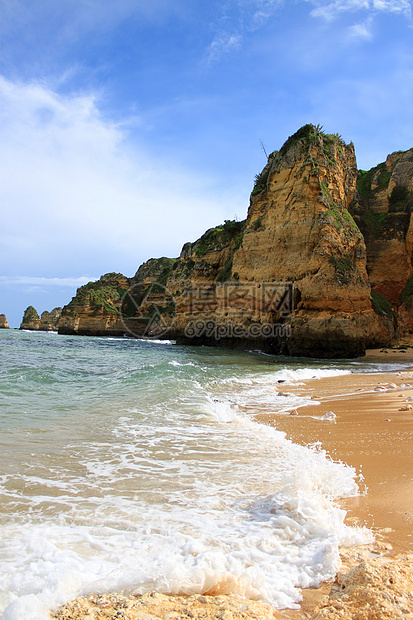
(328, 9)
(45, 282)
(263, 10)
(74, 188)
(361, 31)
(222, 45)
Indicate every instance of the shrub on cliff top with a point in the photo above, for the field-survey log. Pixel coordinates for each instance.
(217, 238)
(100, 295)
(364, 181)
(30, 314)
(304, 132)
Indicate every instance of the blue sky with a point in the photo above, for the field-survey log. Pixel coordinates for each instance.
(128, 128)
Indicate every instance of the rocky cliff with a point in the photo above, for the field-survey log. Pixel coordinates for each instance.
(3, 322)
(382, 208)
(295, 271)
(46, 322)
(49, 320)
(294, 278)
(94, 311)
(31, 319)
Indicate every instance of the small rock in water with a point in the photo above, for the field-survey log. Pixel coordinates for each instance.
(294, 412)
(409, 399)
(406, 408)
(329, 416)
(380, 388)
(392, 386)
(281, 381)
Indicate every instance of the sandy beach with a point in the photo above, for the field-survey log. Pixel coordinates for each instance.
(371, 430)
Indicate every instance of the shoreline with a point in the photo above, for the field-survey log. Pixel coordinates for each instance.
(372, 435)
(369, 433)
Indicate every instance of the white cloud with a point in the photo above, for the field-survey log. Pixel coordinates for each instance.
(45, 282)
(262, 10)
(222, 45)
(72, 190)
(328, 9)
(393, 6)
(360, 32)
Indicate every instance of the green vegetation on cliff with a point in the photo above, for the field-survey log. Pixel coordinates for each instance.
(406, 296)
(381, 305)
(217, 238)
(365, 186)
(374, 216)
(104, 295)
(30, 314)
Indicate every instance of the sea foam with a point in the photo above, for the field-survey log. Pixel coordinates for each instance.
(164, 482)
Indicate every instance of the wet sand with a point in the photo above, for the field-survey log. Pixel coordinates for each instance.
(374, 435)
(371, 434)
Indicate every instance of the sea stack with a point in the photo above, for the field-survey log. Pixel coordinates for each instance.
(3, 322)
(31, 319)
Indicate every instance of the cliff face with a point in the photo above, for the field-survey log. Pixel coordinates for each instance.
(31, 319)
(3, 322)
(46, 323)
(293, 278)
(382, 208)
(94, 311)
(290, 279)
(49, 320)
(299, 230)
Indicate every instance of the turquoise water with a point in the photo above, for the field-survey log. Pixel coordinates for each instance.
(136, 465)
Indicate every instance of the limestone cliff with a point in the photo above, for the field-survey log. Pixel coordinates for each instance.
(382, 208)
(94, 311)
(3, 322)
(45, 323)
(49, 320)
(299, 230)
(31, 319)
(293, 278)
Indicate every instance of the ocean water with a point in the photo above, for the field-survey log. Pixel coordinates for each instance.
(131, 466)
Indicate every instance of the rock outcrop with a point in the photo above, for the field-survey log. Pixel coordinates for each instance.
(47, 322)
(294, 278)
(3, 322)
(382, 209)
(31, 319)
(94, 311)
